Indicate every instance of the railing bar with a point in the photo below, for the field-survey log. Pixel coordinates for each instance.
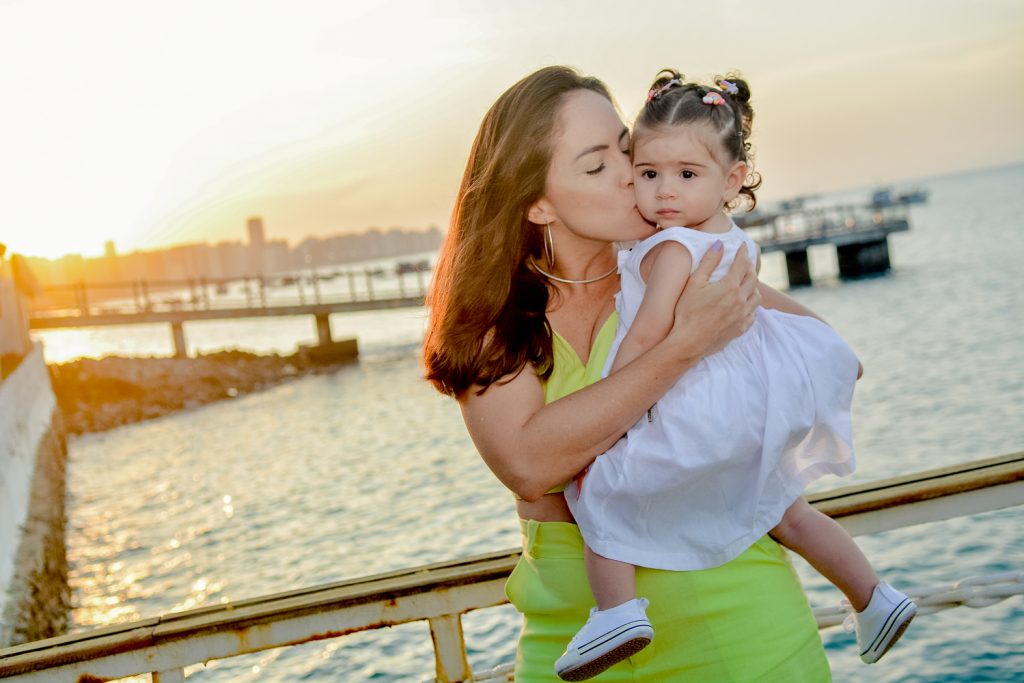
(926, 476)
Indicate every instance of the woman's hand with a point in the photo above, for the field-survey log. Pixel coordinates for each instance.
(710, 315)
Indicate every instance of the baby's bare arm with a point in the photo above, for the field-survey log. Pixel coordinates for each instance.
(670, 264)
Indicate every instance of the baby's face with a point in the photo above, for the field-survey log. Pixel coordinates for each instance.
(677, 181)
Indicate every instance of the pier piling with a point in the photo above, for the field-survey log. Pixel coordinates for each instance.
(178, 332)
(863, 258)
(323, 329)
(797, 268)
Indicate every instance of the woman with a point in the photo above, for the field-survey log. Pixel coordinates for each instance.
(521, 323)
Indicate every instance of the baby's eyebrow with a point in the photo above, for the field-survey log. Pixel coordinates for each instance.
(695, 164)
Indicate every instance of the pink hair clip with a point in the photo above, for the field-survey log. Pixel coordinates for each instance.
(729, 87)
(654, 94)
(714, 99)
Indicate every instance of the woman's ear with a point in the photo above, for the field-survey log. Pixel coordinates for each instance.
(541, 212)
(734, 180)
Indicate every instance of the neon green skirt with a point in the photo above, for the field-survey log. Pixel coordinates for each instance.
(747, 620)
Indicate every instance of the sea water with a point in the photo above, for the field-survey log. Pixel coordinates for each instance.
(367, 470)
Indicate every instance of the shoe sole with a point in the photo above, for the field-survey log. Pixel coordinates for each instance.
(605, 661)
(885, 645)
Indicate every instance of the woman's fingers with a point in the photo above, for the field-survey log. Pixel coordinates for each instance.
(748, 298)
(740, 272)
(712, 257)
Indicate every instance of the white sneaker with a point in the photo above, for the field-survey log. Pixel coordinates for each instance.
(882, 622)
(608, 637)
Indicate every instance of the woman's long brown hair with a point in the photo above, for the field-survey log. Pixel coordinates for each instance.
(487, 306)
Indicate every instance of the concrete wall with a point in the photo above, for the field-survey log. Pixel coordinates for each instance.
(33, 566)
(14, 337)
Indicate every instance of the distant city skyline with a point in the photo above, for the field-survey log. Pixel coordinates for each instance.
(255, 256)
(252, 226)
(154, 124)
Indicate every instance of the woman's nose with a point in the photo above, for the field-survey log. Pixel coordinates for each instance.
(625, 171)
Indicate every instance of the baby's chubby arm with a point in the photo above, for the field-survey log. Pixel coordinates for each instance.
(665, 270)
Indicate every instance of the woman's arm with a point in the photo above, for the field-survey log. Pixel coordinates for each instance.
(532, 447)
(776, 300)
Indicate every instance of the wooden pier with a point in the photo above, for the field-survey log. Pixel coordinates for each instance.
(176, 302)
(859, 232)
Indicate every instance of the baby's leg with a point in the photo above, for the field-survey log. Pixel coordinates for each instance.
(612, 582)
(828, 548)
(618, 628)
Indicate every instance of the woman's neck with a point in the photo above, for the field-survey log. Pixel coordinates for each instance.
(581, 265)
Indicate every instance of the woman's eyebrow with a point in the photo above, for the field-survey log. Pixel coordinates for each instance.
(590, 150)
(600, 148)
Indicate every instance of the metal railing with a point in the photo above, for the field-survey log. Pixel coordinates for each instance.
(441, 593)
(145, 297)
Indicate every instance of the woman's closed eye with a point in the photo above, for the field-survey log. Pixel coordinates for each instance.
(596, 170)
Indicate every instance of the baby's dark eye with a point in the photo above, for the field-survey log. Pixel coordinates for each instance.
(688, 174)
(650, 175)
(596, 170)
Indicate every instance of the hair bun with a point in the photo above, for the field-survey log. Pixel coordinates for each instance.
(736, 87)
(666, 80)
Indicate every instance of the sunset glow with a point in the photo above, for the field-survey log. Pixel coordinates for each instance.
(160, 123)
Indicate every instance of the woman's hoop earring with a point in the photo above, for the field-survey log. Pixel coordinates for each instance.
(549, 247)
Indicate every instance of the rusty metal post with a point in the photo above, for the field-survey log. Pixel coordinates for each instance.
(449, 649)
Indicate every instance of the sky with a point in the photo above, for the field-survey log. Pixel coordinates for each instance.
(153, 123)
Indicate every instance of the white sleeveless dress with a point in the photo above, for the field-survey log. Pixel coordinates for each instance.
(732, 444)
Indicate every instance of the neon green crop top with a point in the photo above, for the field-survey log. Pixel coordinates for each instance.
(569, 374)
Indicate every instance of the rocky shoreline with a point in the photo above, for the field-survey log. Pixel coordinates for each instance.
(95, 395)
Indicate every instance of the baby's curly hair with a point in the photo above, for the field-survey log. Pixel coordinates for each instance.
(672, 101)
